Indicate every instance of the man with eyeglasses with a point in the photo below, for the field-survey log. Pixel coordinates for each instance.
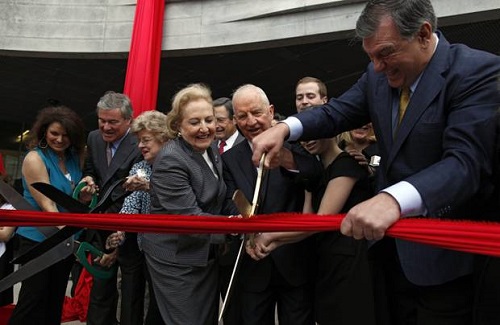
(111, 152)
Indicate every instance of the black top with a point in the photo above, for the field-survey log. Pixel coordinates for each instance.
(343, 165)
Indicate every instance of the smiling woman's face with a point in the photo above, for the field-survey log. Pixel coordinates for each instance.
(197, 126)
(57, 137)
(149, 145)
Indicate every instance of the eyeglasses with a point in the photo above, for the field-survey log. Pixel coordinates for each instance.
(145, 141)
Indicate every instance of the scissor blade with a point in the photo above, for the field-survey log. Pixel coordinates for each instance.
(19, 203)
(47, 244)
(247, 210)
(38, 264)
(107, 199)
(241, 202)
(13, 197)
(61, 198)
(229, 287)
(66, 232)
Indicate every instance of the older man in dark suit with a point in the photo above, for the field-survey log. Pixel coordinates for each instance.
(284, 277)
(432, 106)
(111, 152)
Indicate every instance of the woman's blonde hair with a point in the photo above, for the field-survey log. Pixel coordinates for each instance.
(347, 137)
(153, 121)
(179, 102)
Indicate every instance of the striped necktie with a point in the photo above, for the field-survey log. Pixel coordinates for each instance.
(109, 153)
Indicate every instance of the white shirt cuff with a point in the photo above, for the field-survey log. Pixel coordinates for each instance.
(295, 127)
(410, 201)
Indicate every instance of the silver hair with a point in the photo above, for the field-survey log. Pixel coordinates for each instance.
(258, 90)
(111, 100)
(408, 15)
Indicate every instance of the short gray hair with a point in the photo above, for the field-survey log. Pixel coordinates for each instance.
(263, 97)
(408, 15)
(111, 100)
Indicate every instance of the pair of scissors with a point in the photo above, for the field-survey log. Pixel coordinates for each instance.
(246, 210)
(61, 244)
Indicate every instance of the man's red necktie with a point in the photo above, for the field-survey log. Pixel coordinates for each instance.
(222, 144)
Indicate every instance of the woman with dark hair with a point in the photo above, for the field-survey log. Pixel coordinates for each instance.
(56, 151)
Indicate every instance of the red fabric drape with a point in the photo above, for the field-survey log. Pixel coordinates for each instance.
(469, 236)
(2, 166)
(75, 308)
(141, 80)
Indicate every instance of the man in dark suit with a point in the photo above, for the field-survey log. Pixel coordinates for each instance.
(227, 136)
(284, 277)
(113, 142)
(436, 152)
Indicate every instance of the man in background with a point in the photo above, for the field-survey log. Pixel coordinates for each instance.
(309, 92)
(226, 133)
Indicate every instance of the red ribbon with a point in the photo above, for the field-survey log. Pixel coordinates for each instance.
(468, 236)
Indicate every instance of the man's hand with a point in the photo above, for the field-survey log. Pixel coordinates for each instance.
(270, 142)
(371, 219)
(88, 190)
(114, 240)
(264, 245)
(107, 260)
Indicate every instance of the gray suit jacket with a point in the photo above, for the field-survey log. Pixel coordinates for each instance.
(183, 183)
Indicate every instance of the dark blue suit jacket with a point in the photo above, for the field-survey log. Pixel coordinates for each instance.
(281, 191)
(444, 145)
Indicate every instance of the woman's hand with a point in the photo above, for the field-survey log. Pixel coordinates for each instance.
(115, 239)
(359, 156)
(136, 183)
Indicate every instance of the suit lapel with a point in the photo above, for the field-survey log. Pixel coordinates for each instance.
(101, 150)
(124, 150)
(216, 161)
(248, 171)
(430, 85)
(383, 98)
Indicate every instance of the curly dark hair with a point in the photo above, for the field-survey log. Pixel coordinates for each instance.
(69, 120)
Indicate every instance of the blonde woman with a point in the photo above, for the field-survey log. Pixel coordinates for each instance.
(187, 180)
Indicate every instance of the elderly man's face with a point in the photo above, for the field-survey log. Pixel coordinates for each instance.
(252, 116)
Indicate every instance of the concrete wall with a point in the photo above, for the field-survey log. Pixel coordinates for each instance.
(104, 26)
